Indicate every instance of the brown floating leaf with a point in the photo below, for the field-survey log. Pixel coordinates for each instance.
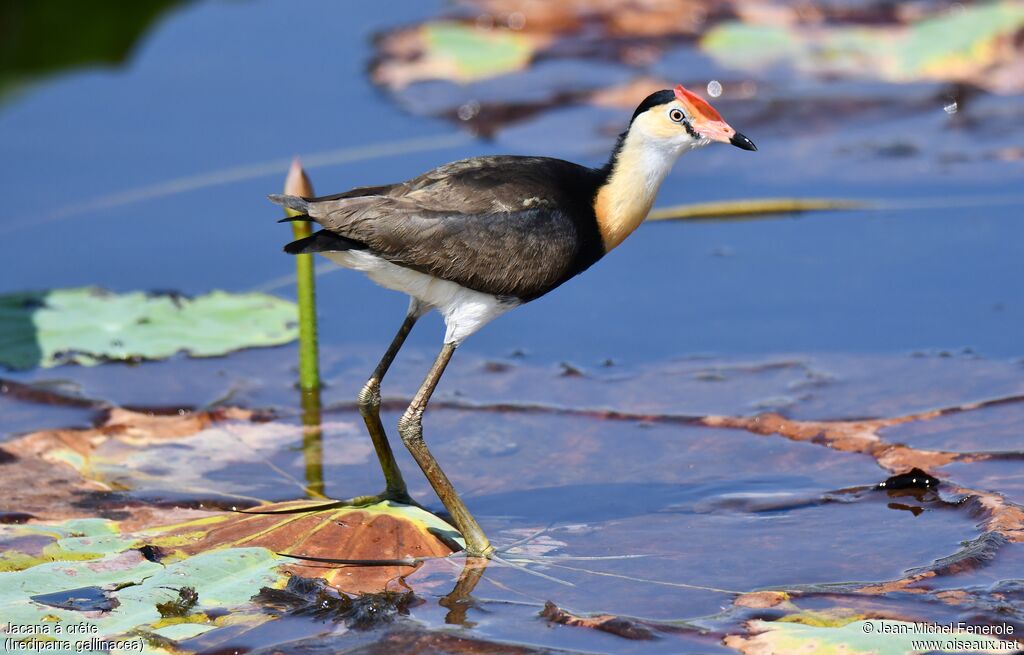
(41, 483)
(1003, 516)
(903, 585)
(44, 396)
(220, 457)
(850, 436)
(37, 487)
(506, 36)
(124, 423)
(625, 628)
(761, 599)
(651, 18)
(379, 535)
(415, 641)
(627, 96)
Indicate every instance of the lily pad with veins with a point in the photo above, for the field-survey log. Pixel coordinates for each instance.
(89, 326)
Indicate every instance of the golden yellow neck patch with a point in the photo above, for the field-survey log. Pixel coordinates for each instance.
(622, 204)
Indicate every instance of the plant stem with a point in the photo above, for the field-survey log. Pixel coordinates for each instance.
(740, 209)
(309, 367)
(297, 184)
(305, 287)
(312, 443)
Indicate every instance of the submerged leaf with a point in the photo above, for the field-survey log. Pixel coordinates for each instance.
(88, 326)
(180, 606)
(179, 455)
(621, 627)
(312, 597)
(174, 455)
(451, 50)
(957, 46)
(877, 637)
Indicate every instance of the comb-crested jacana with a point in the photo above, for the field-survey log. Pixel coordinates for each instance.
(478, 237)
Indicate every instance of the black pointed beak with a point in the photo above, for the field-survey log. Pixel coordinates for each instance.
(741, 141)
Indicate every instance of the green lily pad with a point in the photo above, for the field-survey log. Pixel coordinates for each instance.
(475, 54)
(88, 326)
(454, 51)
(875, 637)
(72, 540)
(223, 579)
(958, 45)
(209, 570)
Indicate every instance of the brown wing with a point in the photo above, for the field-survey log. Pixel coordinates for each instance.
(509, 226)
(356, 192)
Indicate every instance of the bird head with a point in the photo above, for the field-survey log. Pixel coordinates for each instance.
(680, 120)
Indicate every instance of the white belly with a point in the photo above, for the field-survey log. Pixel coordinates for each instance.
(465, 311)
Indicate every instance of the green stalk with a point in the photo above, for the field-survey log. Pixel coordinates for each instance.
(305, 283)
(309, 368)
(297, 184)
(313, 443)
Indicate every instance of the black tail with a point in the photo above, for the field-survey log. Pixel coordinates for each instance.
(323, 241)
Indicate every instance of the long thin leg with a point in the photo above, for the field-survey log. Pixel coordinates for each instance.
(369, 407)
(410, 427)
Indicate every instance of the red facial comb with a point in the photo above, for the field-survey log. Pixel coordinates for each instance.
(696, 104)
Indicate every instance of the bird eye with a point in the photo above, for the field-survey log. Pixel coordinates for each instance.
(676, 115)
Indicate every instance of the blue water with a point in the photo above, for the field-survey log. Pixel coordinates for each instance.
(220, 85)
(153, 175)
